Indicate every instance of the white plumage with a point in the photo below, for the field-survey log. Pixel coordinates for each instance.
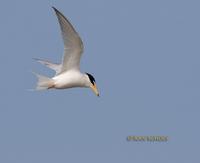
(68, 73)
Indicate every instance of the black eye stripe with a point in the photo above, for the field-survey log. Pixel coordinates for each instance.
(92, 80)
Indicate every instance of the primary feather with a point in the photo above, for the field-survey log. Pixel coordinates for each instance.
(73, 45)
(53, 66)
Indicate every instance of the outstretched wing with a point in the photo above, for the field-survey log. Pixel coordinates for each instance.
(53, 66)
(73, 46)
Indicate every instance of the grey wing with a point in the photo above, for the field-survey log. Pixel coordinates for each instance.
(73, 46)
(53, 66)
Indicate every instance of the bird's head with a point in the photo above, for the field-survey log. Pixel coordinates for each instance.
(92, 83)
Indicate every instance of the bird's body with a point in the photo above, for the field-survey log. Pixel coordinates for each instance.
(68, 73)
(70, 79)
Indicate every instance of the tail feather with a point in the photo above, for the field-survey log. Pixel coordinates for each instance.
(43, 82)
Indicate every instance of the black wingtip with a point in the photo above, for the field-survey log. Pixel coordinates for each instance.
(55, 9)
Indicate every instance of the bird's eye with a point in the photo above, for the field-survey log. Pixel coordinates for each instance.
(92, 80)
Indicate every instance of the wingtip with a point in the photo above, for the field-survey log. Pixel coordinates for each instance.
(55, 9)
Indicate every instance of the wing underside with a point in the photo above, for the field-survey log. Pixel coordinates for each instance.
(73, 46)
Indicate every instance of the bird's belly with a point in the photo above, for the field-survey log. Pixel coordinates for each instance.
(61, 85)
(63, 82)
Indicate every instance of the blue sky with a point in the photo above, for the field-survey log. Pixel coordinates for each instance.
(145, 58)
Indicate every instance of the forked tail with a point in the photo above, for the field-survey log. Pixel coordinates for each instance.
(44, 82)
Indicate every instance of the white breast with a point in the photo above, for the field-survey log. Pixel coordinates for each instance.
(69, 79)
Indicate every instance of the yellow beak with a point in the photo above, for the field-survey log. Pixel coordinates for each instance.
(94, 89)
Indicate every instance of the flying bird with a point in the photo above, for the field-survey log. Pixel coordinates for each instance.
(67, 74)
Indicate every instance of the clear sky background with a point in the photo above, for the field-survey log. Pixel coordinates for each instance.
(145, 56)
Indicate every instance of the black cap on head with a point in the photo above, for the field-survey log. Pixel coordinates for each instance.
(92, 80)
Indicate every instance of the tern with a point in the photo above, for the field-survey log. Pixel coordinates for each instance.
(67, 74)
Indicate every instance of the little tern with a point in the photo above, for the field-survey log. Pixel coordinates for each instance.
(68, 73)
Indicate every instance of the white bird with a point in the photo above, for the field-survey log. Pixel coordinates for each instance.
(68, 73)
